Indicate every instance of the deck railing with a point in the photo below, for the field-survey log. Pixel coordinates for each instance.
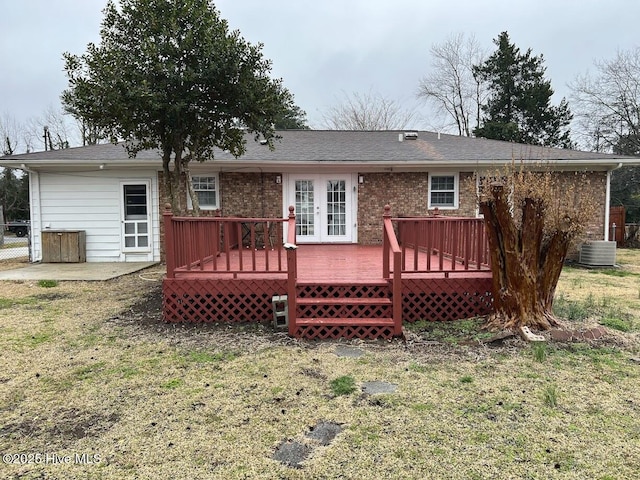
(442, 244)
(391, 267)
(201, 245)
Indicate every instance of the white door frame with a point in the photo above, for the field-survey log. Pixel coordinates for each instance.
(320, 205)
(139, 228)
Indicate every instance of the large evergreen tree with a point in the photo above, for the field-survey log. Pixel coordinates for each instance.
(169, 75)
(14, 195)
(292, 119)
(519, 107)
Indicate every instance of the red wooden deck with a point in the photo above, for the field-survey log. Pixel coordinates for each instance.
(438, 272)
(323, 263)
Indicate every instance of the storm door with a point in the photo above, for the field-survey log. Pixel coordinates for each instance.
(136, 222)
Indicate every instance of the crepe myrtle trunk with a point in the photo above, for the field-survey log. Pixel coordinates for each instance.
(526, 263)
(195, 202)
(172, 179)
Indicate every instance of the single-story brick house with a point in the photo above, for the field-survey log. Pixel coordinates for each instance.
(338, 181)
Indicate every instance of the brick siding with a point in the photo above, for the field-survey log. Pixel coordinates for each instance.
(408, 196)
(250, 195)
(258, 195)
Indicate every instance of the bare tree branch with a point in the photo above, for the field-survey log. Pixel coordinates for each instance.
(451, 86)
(58, 127)
(9, 134)
(367, 112)
(607, 105)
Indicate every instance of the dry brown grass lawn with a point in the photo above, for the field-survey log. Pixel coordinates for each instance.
(89, 369)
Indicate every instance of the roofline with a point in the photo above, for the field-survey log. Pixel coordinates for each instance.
(39, 164)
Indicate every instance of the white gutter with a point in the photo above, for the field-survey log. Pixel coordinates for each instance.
(607, 204)
(245, 163)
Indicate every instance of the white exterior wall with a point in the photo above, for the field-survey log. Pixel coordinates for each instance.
(91, 201)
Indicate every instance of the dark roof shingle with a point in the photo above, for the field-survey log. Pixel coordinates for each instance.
(348, 146)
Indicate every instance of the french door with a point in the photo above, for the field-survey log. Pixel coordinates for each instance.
(323, 206)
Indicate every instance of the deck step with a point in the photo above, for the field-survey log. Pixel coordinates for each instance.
(378, 322)
(342, 301)
(379, 282)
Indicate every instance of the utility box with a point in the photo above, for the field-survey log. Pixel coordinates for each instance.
(64, 246)
(598, 254)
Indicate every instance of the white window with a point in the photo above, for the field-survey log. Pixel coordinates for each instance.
(206, 188)
(443, 191)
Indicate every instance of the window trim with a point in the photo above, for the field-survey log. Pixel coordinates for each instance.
(217, 192)
(456, 191)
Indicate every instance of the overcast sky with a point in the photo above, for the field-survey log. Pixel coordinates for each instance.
(323, 49)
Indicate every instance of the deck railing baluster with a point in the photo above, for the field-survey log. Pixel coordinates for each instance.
(466, 236)
(253, 247)
(265, 234)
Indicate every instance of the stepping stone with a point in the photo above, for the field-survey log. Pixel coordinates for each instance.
(292, 453)
(324, 432)
(349, 352)
(372, 388)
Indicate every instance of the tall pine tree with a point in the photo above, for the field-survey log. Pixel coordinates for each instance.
(519, 106)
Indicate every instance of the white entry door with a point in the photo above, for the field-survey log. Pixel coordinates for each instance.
(135, 217)
(323, 206)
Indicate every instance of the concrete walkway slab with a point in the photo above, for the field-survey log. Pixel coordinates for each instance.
(93, 271)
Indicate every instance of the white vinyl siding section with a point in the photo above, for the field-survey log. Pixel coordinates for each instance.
(91, 201)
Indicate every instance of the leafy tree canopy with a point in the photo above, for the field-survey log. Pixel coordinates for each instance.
(519, 106)
(168, 74)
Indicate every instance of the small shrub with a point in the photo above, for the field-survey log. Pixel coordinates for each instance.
(344, 385)
(539, 351)
(466, 379)
(550, 396)
(48, 283)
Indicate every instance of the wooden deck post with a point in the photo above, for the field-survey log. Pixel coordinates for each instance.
(292, 270)
(390, 244)
(169, 250)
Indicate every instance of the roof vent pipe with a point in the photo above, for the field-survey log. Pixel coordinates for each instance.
(400, 137)
(438, 135)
